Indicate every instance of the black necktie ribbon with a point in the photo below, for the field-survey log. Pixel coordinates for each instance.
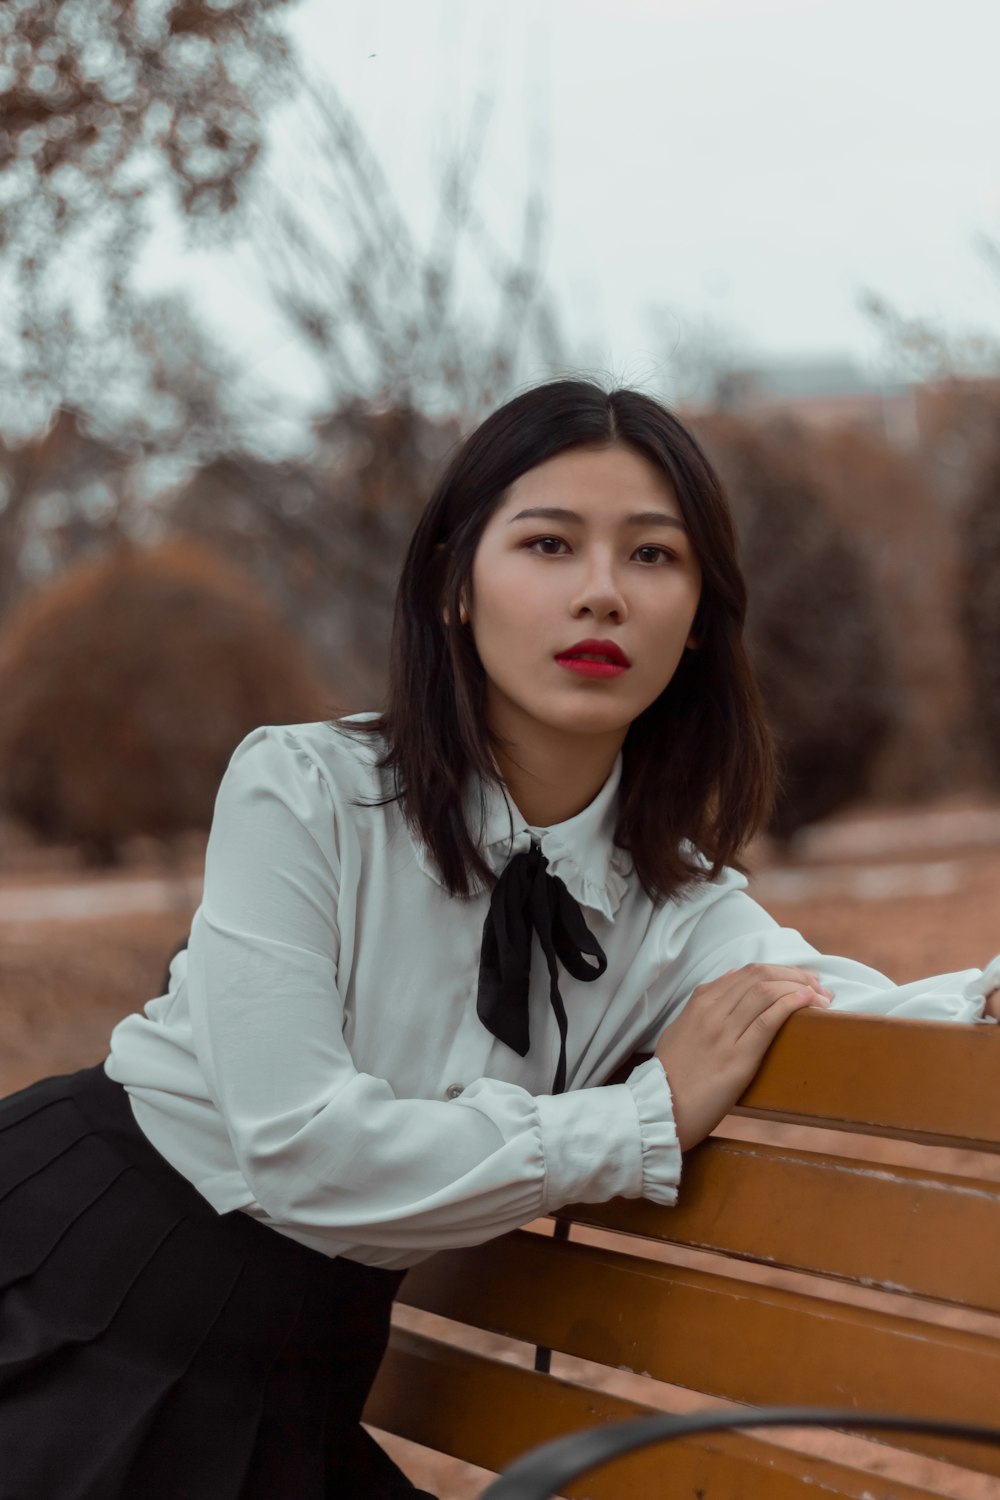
(526, 899)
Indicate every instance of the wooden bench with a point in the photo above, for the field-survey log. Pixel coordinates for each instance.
(798, 1269)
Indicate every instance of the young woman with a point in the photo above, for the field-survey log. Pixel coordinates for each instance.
(425, 938)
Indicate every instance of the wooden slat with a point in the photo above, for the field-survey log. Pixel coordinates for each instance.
(488, 1413)
(917, 1080)
(717, 1335)
(900, 1228)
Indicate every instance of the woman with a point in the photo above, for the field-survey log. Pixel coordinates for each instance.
(363, 1055)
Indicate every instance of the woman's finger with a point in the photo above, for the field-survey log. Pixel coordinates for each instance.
(753, 979)
(764, 1022)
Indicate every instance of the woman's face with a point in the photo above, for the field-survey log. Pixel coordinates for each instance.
(590, 545)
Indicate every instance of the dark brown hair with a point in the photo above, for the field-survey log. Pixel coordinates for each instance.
(697, 764)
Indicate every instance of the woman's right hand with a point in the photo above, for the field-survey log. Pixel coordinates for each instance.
(715, 1046)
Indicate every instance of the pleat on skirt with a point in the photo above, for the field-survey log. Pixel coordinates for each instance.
(152, 1349)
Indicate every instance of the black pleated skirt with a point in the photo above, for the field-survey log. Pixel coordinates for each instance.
(152, 1349)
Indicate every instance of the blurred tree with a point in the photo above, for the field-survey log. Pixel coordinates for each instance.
(59, 491)
(703, 361)
(326, 538)
(957, 393)
(140, 386)
(958, 417)
(813, 624)
(93, 87)
(979, 601)
(925, 350)
(883, 497)
(383, 313)
(406, 365)
(83, 479)
(127, 684)
(106, 396)
(104, 105)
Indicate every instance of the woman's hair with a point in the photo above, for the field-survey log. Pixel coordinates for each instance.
(697, 764)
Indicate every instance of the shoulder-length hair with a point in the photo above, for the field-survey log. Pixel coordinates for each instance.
(698, 768)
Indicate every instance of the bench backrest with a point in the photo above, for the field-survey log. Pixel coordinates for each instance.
(787, 1275)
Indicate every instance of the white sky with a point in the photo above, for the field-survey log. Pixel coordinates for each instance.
(751, 164)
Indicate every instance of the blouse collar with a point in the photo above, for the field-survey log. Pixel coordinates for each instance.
(580, 850)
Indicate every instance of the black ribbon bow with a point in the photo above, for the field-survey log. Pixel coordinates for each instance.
(527, 899)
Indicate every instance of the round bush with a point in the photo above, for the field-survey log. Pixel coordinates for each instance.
(813, 625)
(127, 683)
(979, 604)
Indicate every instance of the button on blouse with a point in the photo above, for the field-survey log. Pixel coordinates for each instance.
(318, 1062)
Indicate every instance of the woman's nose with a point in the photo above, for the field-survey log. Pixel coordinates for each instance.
(600, 591)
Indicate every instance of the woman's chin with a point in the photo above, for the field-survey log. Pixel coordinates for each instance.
(562, 712)
(584, 719)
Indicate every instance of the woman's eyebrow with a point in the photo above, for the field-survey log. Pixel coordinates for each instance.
(557, 513)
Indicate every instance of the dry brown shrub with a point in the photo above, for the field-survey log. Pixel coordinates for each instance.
(814, 626)
(980, 603)
(884, 498)
(127, 683)
(326, 537)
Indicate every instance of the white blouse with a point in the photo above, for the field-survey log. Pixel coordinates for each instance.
(318, 1061)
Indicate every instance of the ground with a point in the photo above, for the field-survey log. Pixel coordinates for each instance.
(911, 891)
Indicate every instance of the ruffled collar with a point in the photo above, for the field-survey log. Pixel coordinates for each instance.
(581, 850)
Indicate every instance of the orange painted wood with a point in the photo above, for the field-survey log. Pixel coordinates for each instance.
(488, 1413)
(904, 1229)
(717, 1335)
(919, 1080)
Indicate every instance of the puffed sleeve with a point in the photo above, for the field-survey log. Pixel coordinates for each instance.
(719, 927)
(329, 1152)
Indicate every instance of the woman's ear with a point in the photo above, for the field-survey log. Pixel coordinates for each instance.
(463, 613)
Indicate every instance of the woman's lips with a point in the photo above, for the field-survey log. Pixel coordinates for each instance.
(594, 658)
(591, 668)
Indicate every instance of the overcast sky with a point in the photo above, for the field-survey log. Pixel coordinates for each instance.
(753, 165)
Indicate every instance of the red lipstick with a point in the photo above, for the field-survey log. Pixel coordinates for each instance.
(594, 659)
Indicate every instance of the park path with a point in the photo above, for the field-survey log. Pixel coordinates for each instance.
(77, 900)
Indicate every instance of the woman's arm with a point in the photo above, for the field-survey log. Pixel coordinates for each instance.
(726, 989)
(721, 928)
(325, 1148)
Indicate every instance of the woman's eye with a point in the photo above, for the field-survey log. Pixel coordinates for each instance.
(661, 554)
(538, 540)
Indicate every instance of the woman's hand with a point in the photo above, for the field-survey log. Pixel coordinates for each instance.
(715, 1046)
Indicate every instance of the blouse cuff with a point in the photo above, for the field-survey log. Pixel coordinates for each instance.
(661, 1152)
(618, 1141)
(982, 986)
(590, 1146)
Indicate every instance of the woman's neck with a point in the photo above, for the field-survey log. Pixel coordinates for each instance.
(551, 776)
